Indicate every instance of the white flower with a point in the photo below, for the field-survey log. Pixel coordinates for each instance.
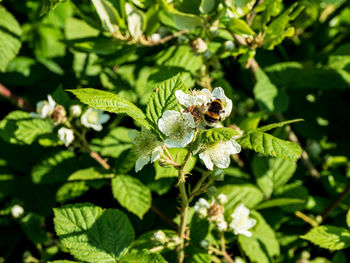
(199, 45)
(222, 199)
(178, 128)
(195, 98)
(66, 136)
(147, 147)
(17, 211)
(75, 110)
(201, 207)
(160, 237)
(221, 225)
(204, 244)
(241, 222)
(45, 108)
(155, 37)
(94, 119)
(176, 240)
(218, 93)
(219, 153)
(229, 45)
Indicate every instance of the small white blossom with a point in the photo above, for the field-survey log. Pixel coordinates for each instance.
(45, 108)
(178, 128)
(176, 240)
(199, 45)
(94, 119)
(201, 207)
(75, 110)
(66, 136)
(17, 211)
(155, 37)
(241, 222)
(218, 153)
(147, 147)
(204, 244)
(229, 45)
(239, 260)
(160, 237)
(221, 225)
(222, 199)
(218, 93)
(195, 98)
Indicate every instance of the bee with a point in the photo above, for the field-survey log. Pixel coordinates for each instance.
(214, 111)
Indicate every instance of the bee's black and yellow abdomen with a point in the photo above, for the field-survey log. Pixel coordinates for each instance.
(211, 117)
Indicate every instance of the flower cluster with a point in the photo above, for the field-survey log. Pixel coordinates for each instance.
(160, 238)
(179, 129)
(214, 213)
(49, 108)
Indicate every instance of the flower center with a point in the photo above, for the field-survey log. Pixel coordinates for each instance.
(92, 117)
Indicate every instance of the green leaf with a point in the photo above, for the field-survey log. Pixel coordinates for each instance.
(269, 145)
(276, 125)
(218, 134)
(163, 98)
(262, 246)
(132, 194)
(239, 26)
(208, 6)
(92, 234)
(91, 173)
(29, 130)
(279, 202)
(135, 20)
(247, 194)
(70, 191)
(54, 168)
(271, 173)
(348, 218)
(108, 101)
(178, 156)
(32, 224)
(114, 143)
(330, 237)
(48, 5)
(142, 257)
(10, 37)
(269, 98)
(109, 15)
(278, 29)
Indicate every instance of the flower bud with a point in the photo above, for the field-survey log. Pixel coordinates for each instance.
(66, 136)
(202, 212)
(160, 237)
(221, 225)
(155, 37)
(75, 110)
(204, 244)
(199, 45)
(229, 45)
(17, 211)
(222, 199)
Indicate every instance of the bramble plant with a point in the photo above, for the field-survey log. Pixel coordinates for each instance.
(163, 131)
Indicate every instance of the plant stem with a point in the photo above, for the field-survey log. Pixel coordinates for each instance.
(21, 103)
(306, 218)
(184, 208)
(197, 187)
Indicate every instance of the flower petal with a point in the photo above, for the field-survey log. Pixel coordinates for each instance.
(219, 93)
(207, 161)
(103, 118)
(183, 98)
(233, 147)
(156, 154)
(141, 162)
(222, 162)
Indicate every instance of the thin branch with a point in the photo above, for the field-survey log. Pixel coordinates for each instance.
(306, 218)
(336, 202)
(163, 216)
(18, 101)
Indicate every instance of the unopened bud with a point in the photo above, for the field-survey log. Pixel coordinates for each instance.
(17, 211)
(202, 212)
(221, 225)
(219, 175)
(222, 199)
(199, 45)
(155, 37)
(160, 237)
(229, 45)
(211, 191)
(204, 244)
(75, 110)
